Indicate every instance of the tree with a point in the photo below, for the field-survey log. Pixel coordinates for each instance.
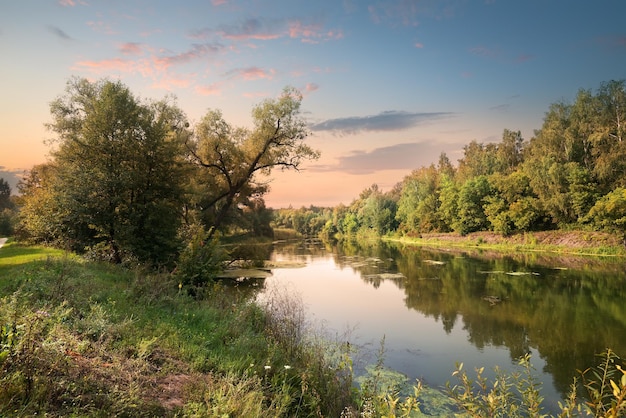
(609, 212)
(7, 212)
(509, 152)
(418, 209)
(230, 159)
(118, 169)
(377, 211)
(609, 138)
(41, 218)
(512, 206)
(5, 195)
(471, 199)
(478, 160)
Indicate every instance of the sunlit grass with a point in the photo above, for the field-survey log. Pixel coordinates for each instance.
(12, 253)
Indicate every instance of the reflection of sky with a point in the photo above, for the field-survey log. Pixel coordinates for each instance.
(418, 346)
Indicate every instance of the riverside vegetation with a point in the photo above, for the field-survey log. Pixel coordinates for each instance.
(85, 338)
(128, 319)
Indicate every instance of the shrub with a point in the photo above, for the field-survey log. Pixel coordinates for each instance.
(201, 260)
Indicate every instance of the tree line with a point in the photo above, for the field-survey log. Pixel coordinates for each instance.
(131, 180)
(571, 174)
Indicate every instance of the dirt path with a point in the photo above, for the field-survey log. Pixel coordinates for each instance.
(2, 241)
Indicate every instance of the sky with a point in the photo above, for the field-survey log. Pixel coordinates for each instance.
(388, 85)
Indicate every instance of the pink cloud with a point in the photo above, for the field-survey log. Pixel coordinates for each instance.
(168, 82)
(115, 64)
(218, 2)
(311, 33)
(270, 29)
(311, 87)
(71, 3)
(210, 90)
(197, 51)
(131, 48)
(419, 45)
(252, 73)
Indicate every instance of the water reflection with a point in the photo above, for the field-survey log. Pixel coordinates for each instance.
(521, 301)
(437, 307)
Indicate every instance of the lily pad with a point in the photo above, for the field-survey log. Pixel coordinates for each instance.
(285, 264)
(247, 273)
(434, 262)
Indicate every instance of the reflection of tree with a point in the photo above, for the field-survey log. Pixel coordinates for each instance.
(567, 315)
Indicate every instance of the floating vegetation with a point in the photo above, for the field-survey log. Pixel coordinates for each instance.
(285, 264)
(493, 300)
(491, 271)
(385, 276)
(244, 273)
(434, 262)
(521, 273)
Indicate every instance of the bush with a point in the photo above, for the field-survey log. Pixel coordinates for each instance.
(201, 260)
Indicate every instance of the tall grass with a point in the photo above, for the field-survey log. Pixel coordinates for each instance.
(87, 339)
(90, 339)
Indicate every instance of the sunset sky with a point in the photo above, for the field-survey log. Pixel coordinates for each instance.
(388, 84)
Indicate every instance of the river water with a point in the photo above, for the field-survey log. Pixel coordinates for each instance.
(434, 308)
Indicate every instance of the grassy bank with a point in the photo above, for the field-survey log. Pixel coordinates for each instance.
(560, 242)
(87, 339)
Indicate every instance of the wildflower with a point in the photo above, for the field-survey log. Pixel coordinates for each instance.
(287, 367)
(267, 367)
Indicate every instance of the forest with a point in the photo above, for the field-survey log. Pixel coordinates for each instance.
(131, 180)
(570, 175)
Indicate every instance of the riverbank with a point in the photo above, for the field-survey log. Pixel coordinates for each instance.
(560, 242)
(80, 338)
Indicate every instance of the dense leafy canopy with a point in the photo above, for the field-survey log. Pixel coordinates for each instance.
(128, 177)
(570, 174)
(230, 159)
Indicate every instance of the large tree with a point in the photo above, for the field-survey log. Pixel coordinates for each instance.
(232, 160)
(118, 167)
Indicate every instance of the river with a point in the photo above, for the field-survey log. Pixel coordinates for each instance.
(434, 308)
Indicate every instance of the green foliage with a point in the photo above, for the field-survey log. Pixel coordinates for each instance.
(471, 215)
(418, 207)
(201, 260)
(376, 211)
(8, 222)
(229, 160)
(115, 181)
(509, 395)
(517, 394)
(5, 195)
(85, 339)
(380, 392)
(610, 211)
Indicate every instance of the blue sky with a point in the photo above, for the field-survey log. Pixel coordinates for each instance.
(388, 84)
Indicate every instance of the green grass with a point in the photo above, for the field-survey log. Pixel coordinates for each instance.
(12, 254)
(89, 339)
(81, 338)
